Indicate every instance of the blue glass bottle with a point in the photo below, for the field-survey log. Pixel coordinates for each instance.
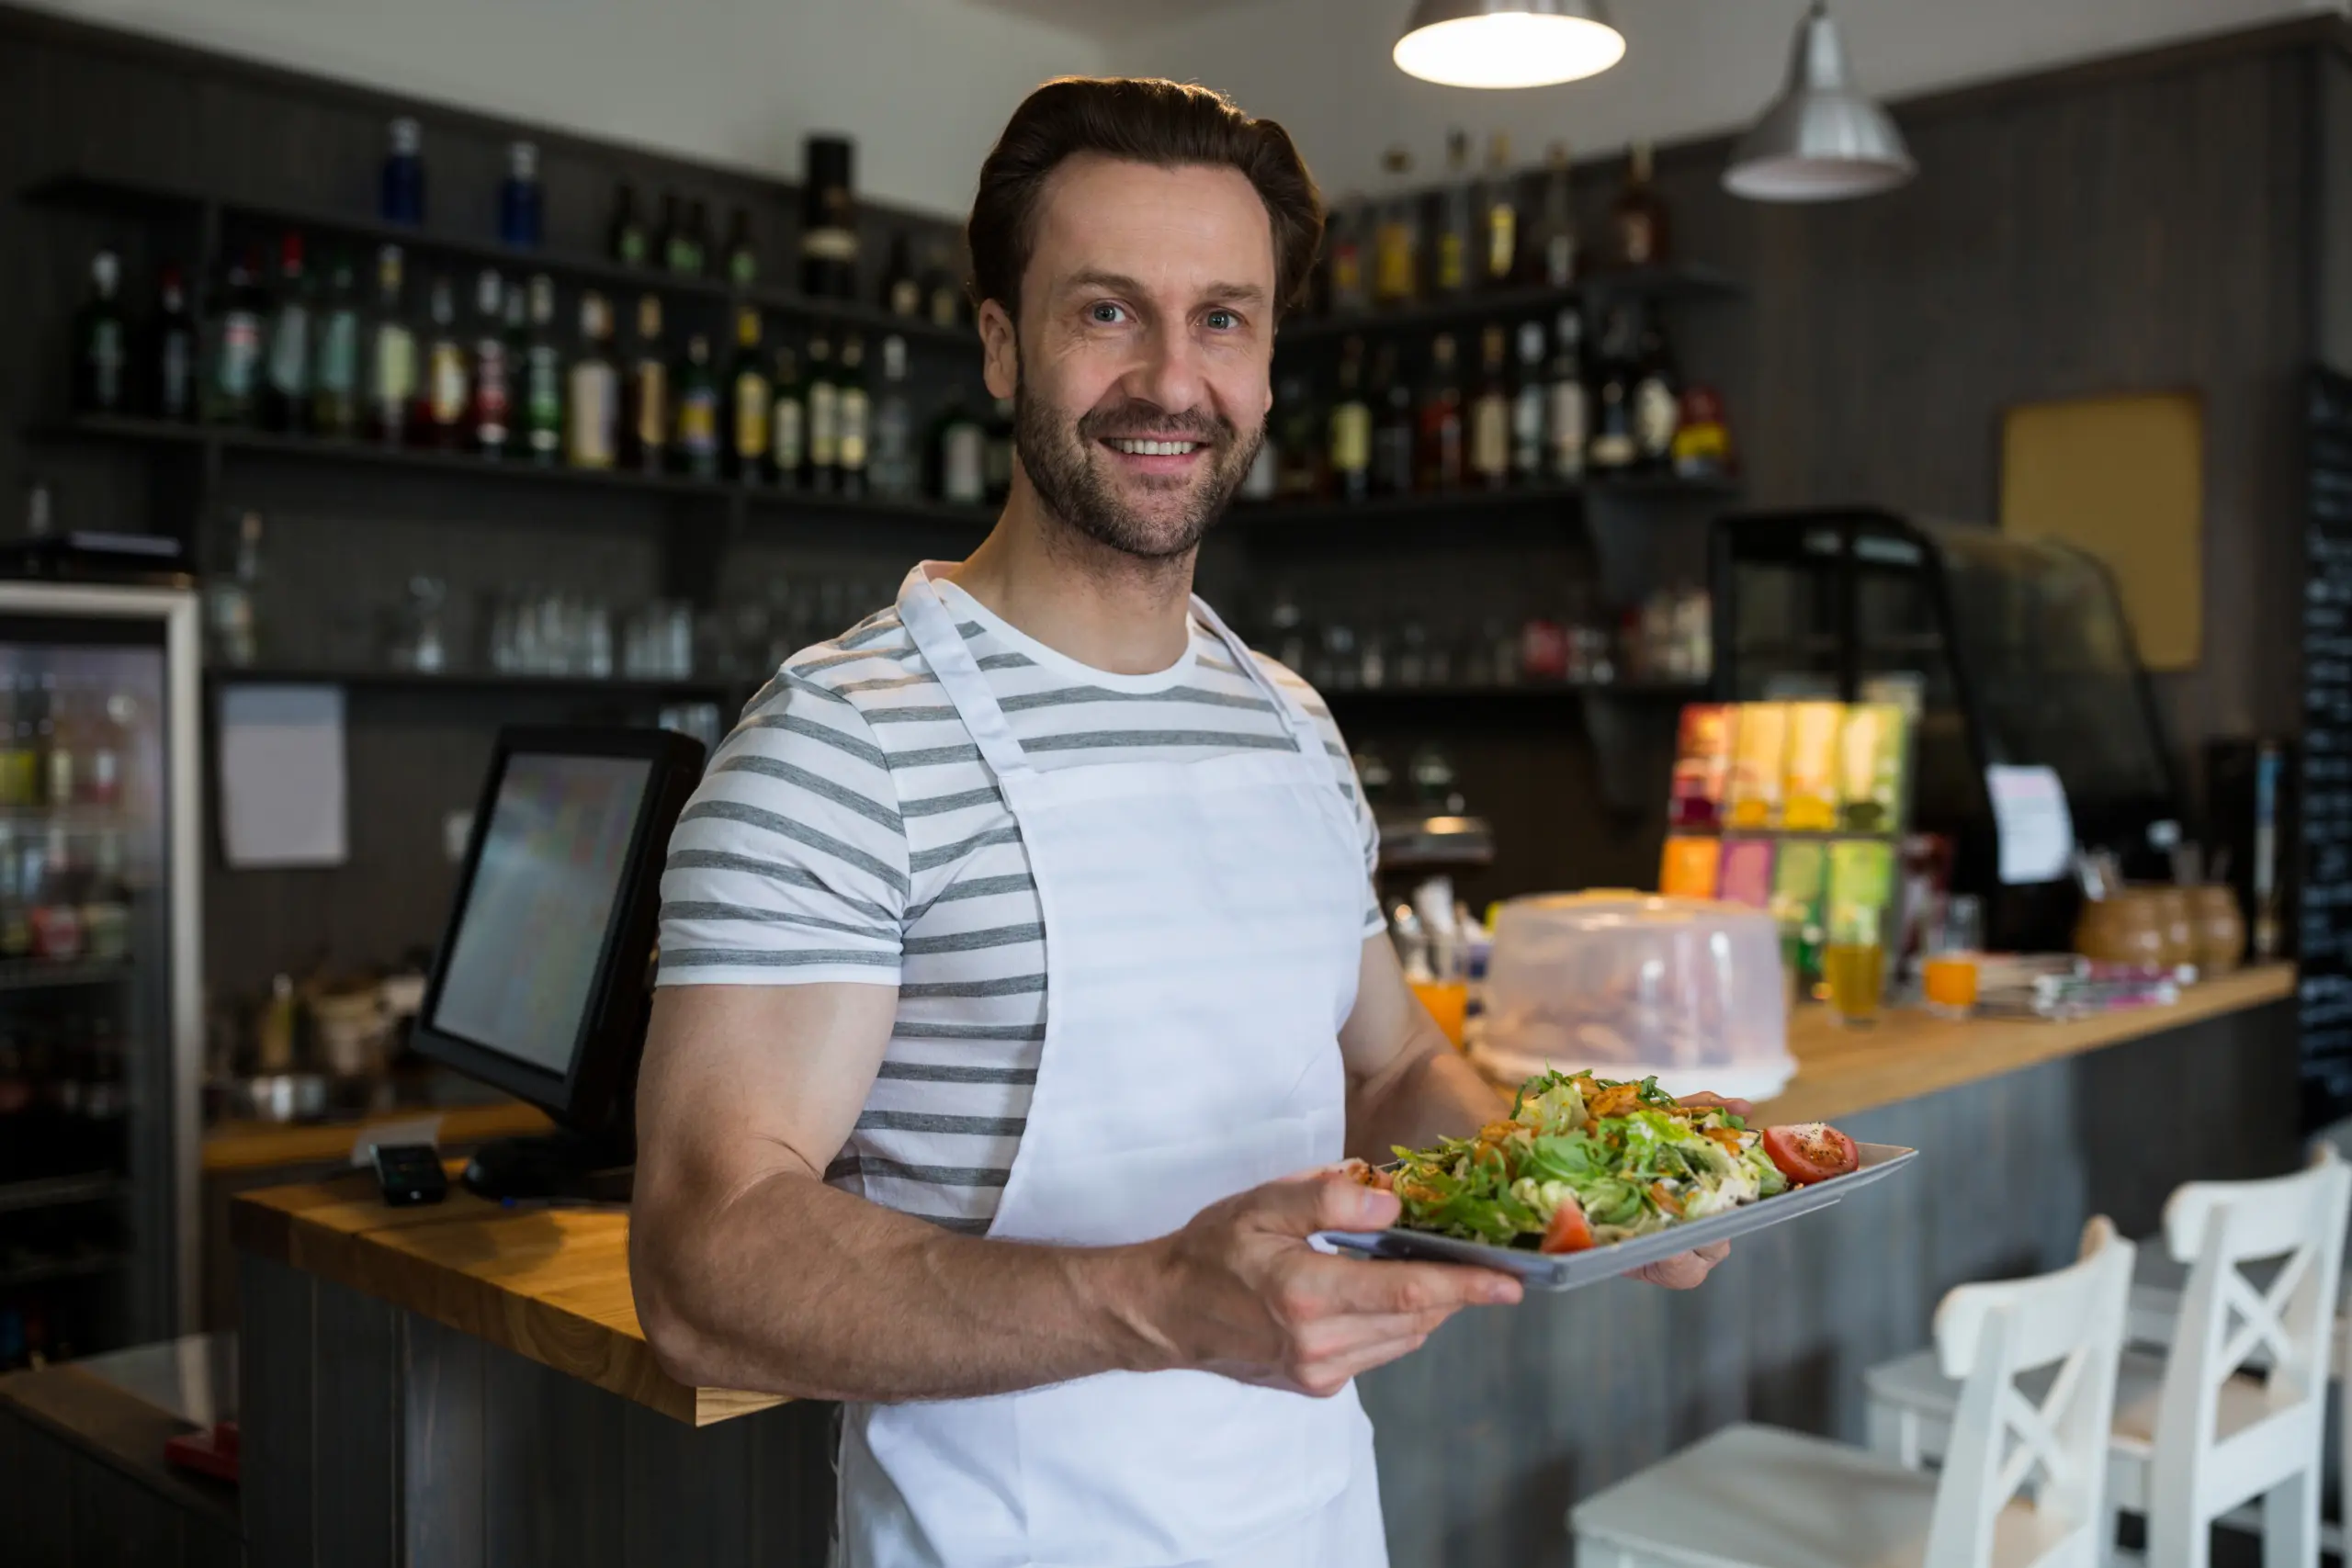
(403, 197)
(518, 198)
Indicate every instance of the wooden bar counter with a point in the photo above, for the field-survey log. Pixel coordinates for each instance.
(465, 1383)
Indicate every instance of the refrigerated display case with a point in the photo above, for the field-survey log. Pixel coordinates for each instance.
(101, 966)
(2011, 651)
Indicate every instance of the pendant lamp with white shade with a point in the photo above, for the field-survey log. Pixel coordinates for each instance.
(1823, 139)
(1508, 43)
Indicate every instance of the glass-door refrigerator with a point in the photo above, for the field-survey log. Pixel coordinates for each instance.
(101, 966)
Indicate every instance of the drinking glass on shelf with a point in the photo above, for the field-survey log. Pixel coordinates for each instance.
(1948, 972)
(1854, 963)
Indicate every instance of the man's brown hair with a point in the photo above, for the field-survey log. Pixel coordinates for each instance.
(1147, 121)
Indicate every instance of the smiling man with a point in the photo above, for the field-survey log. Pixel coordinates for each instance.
(1020, 968)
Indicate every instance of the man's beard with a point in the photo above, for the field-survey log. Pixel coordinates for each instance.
(1062, 461)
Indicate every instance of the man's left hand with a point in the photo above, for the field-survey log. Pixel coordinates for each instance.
(1686, 1270)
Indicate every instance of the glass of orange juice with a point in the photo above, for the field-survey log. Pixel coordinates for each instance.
(1854, 963)
(1948, 972)
(1448, 1001)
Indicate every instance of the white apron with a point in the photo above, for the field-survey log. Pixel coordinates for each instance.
(1203, 923)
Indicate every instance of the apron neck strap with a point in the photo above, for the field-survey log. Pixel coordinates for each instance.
(941, 642)
(1295, 716)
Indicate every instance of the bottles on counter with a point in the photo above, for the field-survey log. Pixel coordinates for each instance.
(334, 375)
(1440, 465)
(449, 375)
(1490, 415)
(787, 422)
(1396, 243)
(696, 430)
(542, 374)
(232, 376)
(1639, 232)
(645, 395)
(491, 408)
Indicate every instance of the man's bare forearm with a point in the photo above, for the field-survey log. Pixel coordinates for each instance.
(792, 1287)
(1432, 1093)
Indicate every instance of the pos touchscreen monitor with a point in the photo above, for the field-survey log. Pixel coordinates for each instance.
(542, 981)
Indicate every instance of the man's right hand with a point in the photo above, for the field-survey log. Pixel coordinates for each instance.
(1239, 1291)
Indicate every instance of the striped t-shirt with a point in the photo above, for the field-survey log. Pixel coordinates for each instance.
(848, 831)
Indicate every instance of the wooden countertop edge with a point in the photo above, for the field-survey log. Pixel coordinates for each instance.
(1839, 1073)
(256, 1146)
(1909, 1055)
(541, 1327)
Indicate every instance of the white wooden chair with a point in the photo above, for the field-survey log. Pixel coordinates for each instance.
(2196, 1434)
(1759, 1497)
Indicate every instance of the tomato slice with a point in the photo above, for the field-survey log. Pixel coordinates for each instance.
(1808, 1152)
(1569, 1230)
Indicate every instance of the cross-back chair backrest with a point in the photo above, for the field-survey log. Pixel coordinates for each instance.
(1987, 1335)
(2217, 1228)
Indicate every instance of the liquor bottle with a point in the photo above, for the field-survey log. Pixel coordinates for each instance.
(1527, 400)
(1613, 448)
(231, 598)
(1552, 253)
(1637, 223)
(1441, 453)
(895, 468)
(234, 375)
(750, 402)
(997, 459)
(44, 733)
(856, 417)
(20, 759)
(1393, 435)
(69, 740)
(542, 373)
(1260, 483)
(171, 352)
(645, 393)
(1396, 269)
(335, 379)
(391, 354)
(521, 210)
(1568, 410)
(629, 243)
(1498, 216)
(787, 422)
(943, 299)
(696, 426)
(1350, 427)
(110, 743)
(824, 415)
(828, 219)
(286, 380)
(1451, 270)
(1344, 293)
(491, 410)
(56, 915)
(1299, 442)
(101, 349)
(901, 290)
(742, 261)
(448, 377)
(401, 193)
(1657, 398)
(671, 246)
(592, 428)
(1490, 410)
(15, 939)
(958, 455)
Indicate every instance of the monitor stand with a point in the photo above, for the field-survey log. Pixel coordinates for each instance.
(561, 1164)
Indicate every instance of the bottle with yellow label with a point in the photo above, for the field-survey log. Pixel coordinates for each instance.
(697, 424)
(750, 402)
(1396, 246)
(1350, 427)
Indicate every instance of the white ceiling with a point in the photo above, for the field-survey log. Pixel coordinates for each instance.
(1111, 22)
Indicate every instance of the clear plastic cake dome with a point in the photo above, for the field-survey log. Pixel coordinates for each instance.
(1630, 985)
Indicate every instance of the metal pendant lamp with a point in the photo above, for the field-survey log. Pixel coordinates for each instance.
(1823, 139)
(1508, 43)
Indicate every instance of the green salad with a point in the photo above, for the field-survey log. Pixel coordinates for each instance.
(1582, 1161)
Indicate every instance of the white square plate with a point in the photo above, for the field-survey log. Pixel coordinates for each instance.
(1567, 1270)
